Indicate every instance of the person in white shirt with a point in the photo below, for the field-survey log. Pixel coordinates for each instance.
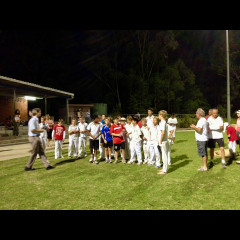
(43, 135)
(163, 141)
(153, 144)
(135, 143)
(145, 136)
(101, 142)
(201, 135)
(82, 137)
(73, 131)
(128, 128)
(215, 134)
(172, 125)
(94, 132)
(150, 117)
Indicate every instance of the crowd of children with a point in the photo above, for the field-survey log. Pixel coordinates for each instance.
(116, 136)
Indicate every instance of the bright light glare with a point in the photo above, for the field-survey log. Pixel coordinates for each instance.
(30, 98)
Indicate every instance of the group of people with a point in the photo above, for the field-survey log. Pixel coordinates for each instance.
(209, 131)
(109, 136)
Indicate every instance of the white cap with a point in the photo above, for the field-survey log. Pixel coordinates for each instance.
(122, 119)
(238, 111)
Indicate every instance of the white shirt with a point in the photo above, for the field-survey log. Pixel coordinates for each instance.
(136, 133)
(73, 128)
(129, 129)
(94, 129)
(43, 134)
(150, 121)
(163, 127)
(172, 121)
(145, 133)
(202, 123)
(83, 127)
(214, 125)
(33, 124)
(154, 134)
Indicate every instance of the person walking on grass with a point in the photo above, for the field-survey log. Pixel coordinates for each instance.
(232, 141)
(37, 147)
(238, 128)
(215, 124)
(201, 135)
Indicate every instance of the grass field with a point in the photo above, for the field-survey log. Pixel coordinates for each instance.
(77, 184)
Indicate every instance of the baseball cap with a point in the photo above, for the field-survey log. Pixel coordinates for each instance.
(238, 111)
(122, 119)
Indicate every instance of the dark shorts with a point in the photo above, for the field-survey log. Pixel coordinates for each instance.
(49, 134)
(212, 143)
(202, 148)
(119, 146)
(94, 144)
(101, 140)
(108, 144)
(238, 135)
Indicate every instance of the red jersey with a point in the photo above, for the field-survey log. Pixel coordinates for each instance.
(232, 132)
(117, 129)
(58, 132)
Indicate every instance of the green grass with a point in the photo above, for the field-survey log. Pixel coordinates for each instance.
(77, 184)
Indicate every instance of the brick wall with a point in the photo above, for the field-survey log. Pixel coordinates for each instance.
(7, 108)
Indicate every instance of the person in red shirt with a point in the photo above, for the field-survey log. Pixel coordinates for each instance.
(232, 139)
(209, 114)
(117, 130)
(238, 128)
(58, 135)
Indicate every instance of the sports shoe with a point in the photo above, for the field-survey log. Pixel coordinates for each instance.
(95, 162)
(157, 166)
(150, 164)
(91, 160)
(224, 166)
(211, 164)
(140, 163)
(85, 155)
(238, 162)
(130, 162)
(116, 161)
(124, 161)
(49, 167)
(100, 158)
(145, 162)
(110, 161)
(106, 161)
(29, 169)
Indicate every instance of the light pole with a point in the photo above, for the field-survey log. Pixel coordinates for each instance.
(228, 81)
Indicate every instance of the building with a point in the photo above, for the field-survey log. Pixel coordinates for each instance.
(15, 94)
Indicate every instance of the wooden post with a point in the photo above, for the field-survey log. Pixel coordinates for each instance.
(14, 99)
(45, 105)
(67, 111)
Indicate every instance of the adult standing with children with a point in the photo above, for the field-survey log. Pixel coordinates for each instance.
(16, 122)
(201, 135)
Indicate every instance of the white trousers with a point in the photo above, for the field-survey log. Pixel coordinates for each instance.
(127, 149)
(154, 154)
(146, 152)
(169, 151)
(232, 147)
(165, 155)
(136, 150)
(58, 148)
(44, 142)
(82, 145)
(73, 145)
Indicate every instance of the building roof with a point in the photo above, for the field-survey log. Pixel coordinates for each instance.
(29, 89)
(81, 105)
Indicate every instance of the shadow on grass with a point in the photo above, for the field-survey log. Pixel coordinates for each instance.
(180, 141)
(179, 158)
(179, 165)
(66, 161)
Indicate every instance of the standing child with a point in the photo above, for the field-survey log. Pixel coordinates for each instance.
(43, 135)
(101, 142)
(150, 117)
(145, 133)
(238, 128)
(128, 128)
(135, 144)
(163, 142)
(58, 134)
(153, 144)
(117, 130)
(94, 133)
(82, 137)
(108, 141)
(50, 123)
(172, 125)
(232, 141)
(73, 131)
